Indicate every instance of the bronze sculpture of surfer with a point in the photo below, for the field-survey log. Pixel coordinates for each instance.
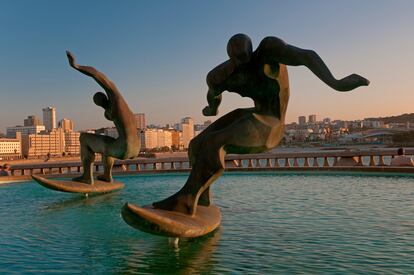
(261, 75)
(128, 143)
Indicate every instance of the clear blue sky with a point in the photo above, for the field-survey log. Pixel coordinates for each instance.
(159, 52)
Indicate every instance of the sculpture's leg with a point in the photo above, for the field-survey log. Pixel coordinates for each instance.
(201, 191)
(245, 135)
(196, 143)
(108, 163)
(212, 166)
(88, 158)
(91, 144)
(193, 150)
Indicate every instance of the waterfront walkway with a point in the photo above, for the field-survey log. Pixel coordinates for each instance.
(370, 160)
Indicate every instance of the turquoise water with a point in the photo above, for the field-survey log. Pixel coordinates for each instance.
(271, 224)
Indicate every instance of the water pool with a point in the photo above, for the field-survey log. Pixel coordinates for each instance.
(271, 223)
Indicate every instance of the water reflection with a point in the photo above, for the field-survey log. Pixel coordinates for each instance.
(192, 256)
(79, 200)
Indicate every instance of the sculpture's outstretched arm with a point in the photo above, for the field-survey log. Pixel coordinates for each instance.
(274, 47)
(99, 77)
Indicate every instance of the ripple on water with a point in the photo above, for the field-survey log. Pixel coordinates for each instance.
(271, 224)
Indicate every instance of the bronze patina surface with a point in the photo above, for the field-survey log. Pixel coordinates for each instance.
(262, 76)
(171, 223)
(128, 143)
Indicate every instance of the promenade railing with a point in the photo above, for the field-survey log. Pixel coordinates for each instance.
(307, 160)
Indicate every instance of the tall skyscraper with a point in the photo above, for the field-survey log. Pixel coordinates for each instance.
(66, 124)
(140, 119)
(312, 119)
(302, 120)
(49, 118)
(32, 121)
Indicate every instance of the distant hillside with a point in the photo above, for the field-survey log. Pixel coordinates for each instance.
(395, 119)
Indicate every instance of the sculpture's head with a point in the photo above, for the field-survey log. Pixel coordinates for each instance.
(239, 48)
(101, 100)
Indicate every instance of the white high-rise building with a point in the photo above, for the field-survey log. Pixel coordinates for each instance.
(56, 143)
(11, 147)
(164, 138)
(52, 143)
(140, 120)
(187, 125)
(66, 124)
(156, 138)
(49, 118)
(149, 139)
(72, 144)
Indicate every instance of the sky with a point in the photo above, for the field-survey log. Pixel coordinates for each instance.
(158, 53)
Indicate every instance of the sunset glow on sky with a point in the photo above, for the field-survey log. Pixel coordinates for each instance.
(159, 52)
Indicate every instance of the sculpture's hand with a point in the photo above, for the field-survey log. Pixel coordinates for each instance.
(208, 111)
(72, 60)
(351, 82)
(214, 100)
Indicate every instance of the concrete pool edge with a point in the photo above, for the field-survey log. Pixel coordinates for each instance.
(352, 170)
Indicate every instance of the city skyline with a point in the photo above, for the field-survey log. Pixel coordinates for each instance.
(318, 118)
(161, 67)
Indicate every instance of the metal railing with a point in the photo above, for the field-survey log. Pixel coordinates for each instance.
(310, 160)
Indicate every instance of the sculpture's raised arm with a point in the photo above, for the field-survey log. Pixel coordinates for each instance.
(99, 77)
(275, 48)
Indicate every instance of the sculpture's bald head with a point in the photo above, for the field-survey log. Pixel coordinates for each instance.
(239, 48)
(101, 100)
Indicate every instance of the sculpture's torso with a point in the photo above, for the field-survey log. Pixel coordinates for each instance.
(128, 140)
(268, 86)
(267, 91)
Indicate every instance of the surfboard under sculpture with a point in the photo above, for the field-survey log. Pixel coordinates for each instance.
(170, 223)
(79, 187)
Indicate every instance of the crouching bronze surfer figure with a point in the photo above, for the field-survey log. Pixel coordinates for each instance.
(128, 143)
(261, 75)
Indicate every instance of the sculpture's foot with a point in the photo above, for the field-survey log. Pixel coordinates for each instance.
(104, 178)
(177, 202)
(83, 179)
